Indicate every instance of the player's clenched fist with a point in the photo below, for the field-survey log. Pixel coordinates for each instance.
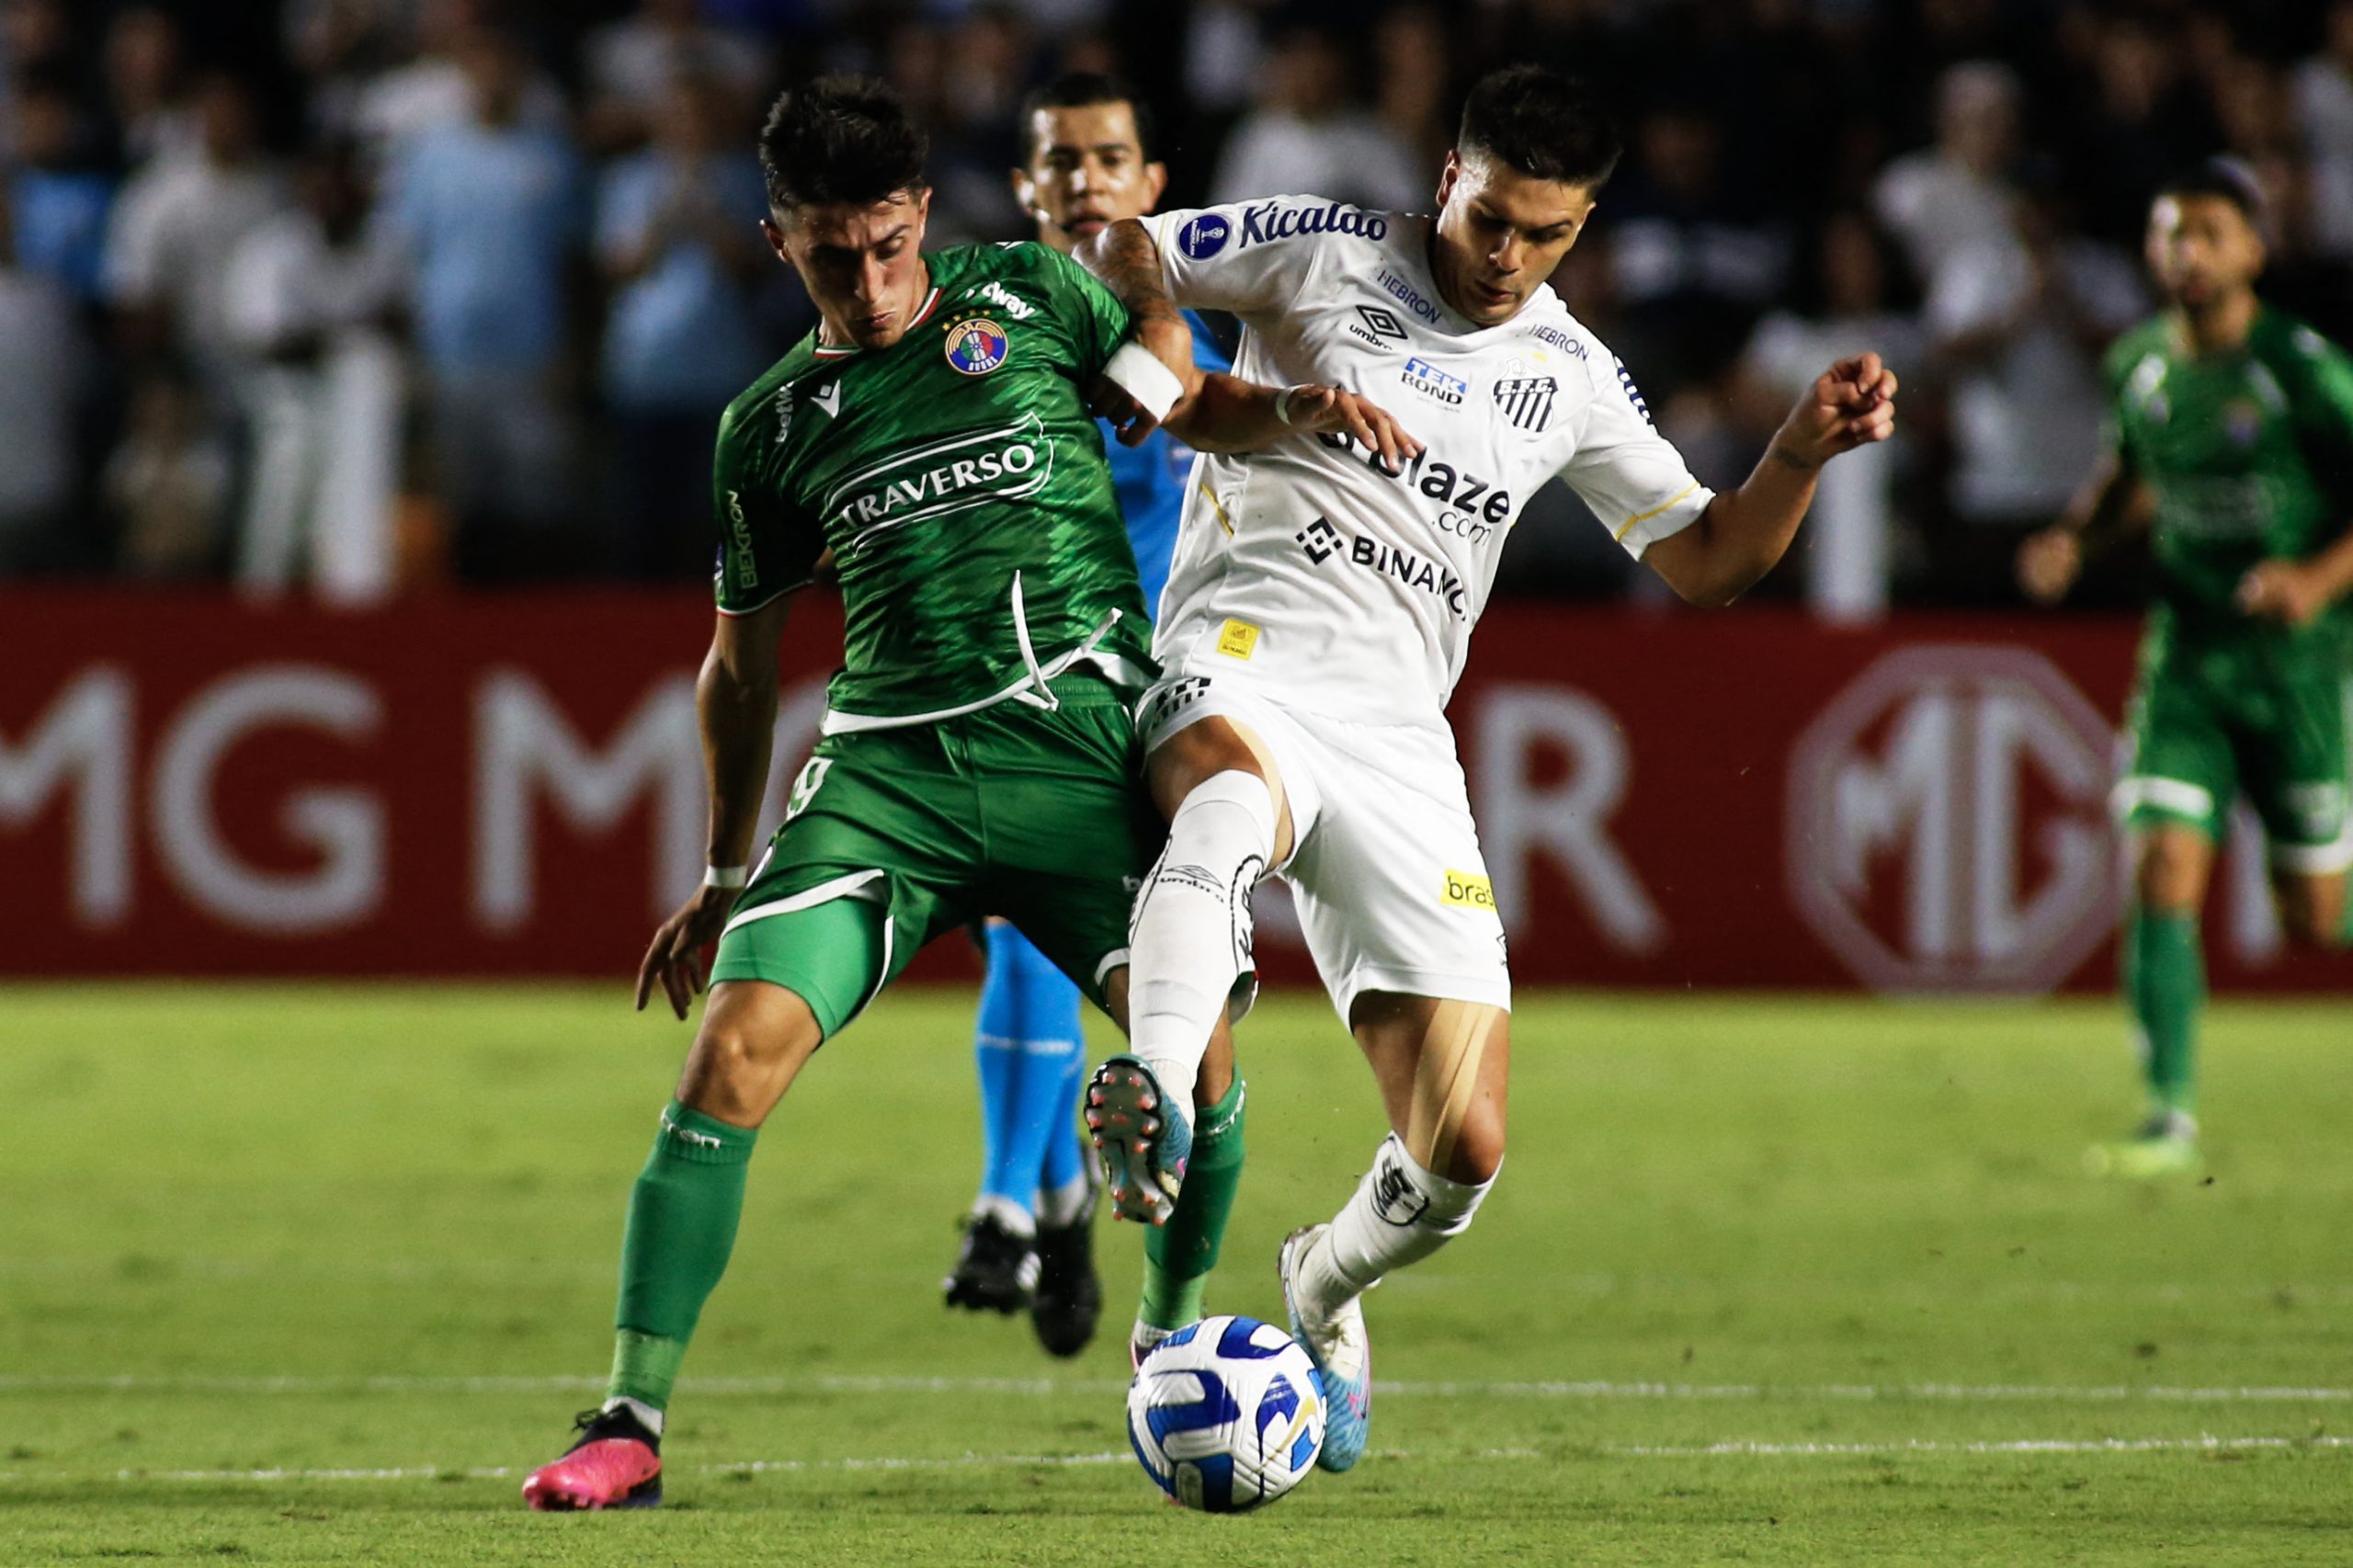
(2048, 562)
(1851, 404)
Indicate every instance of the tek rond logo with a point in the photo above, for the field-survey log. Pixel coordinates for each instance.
(1947, 822)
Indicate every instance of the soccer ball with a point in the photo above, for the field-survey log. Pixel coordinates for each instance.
(1227, 1415)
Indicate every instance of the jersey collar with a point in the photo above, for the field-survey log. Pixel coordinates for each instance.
(844, 350)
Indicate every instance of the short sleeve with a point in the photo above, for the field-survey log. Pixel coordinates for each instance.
(1628, 476)
(1097, 324)
(2325, 403)
(1251, 257)
(766, 545)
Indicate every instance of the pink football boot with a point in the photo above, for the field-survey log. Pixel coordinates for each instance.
(617, 1463)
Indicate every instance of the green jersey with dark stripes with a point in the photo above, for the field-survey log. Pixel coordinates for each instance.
(959, 482)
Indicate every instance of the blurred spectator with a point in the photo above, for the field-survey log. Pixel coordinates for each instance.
(173, 231)
(2019, 318)
(168, 482)
(311, 295)
(631, 64)
(1225, 52)
(1846, 307)
(58, 201)
(42, 372)
(965, 85)
(2323, 99)
(1694, 260)
(435, 89)
(489, 208)
(1956, 192)
(1416, 102)
(1306, 138)
(153, 116)
(677, 236)
(2143, 120)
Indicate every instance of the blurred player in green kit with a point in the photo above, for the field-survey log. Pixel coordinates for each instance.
(2233, 446)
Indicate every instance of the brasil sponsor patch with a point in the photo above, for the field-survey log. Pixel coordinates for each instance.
(1465, 890)
(977, 346)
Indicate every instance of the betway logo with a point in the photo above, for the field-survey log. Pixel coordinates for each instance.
(1277, 220)
(1001, 464)
(999, 295)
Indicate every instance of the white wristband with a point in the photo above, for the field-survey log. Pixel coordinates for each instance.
(726, 876)
(1138, 371)
(1282, 403)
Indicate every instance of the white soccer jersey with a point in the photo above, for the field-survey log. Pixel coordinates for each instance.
(1310, 570)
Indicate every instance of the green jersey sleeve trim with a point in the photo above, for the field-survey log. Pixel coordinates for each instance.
(768, 546)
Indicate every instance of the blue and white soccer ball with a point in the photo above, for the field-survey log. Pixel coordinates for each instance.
(1227, 1415)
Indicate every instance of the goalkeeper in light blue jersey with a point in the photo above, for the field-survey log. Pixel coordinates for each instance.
(1027, 1242)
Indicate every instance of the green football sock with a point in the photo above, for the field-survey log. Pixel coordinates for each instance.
(2165, 985)
(1178, 1257)
(682, 1216)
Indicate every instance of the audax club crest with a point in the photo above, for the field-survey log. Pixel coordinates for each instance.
(977, 346)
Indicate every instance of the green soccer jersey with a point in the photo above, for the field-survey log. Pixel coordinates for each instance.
(2248, 455)
(960, 484)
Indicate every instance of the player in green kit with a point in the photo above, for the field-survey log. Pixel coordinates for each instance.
(934, 437)
(2234, 448)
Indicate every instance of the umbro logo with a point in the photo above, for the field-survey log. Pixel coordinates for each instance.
(829, 399)
(1377, 325)
(1320, 539)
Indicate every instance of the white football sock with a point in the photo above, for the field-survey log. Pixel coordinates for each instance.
(647, 1417)
(1061, 1207)
(1398, 1215)
(1190, 938)
(1006, 1213)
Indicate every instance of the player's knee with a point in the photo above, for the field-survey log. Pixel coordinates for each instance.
(2168, 874)
(744, 1058)
(1478, 1153)
(2311, 913)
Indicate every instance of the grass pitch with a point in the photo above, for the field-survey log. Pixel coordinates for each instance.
(315, 1275)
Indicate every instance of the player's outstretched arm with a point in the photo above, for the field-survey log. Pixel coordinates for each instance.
(735, 698)
(2112, 503)
(1737, 539)
(1228, 414)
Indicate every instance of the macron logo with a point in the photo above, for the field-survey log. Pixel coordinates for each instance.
(829, 399)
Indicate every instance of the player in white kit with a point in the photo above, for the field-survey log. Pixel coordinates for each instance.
(1318, 616)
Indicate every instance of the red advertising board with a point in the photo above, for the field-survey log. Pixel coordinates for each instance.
(512, 786)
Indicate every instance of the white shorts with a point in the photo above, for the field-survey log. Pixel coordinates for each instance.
(1391, 892)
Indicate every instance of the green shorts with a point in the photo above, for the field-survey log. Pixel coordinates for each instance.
(1035, 815)
(2261, 714)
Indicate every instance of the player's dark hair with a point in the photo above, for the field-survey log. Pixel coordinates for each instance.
(844, 139)
(1085, 89)
(1545, 125)
(2225, 177)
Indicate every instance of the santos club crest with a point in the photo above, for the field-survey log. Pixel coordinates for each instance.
(977, 346)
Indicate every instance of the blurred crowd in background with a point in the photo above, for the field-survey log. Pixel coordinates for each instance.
(344, 298)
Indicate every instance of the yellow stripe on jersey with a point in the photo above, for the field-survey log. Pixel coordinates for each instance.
(1218, 508)
(1645, 517)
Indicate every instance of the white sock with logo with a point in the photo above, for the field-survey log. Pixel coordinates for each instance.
(1398, 1215)
(1191, 936)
